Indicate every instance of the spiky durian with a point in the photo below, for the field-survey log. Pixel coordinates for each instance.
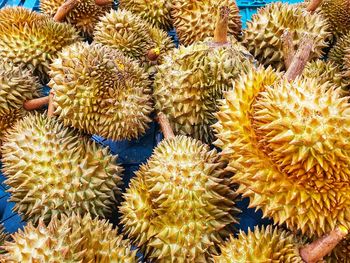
(338, 51)
(100, 91)
(263, 34)
(293, 135)
(3, 238)
(180, 203)
(338, 14)
(192, 79)
(31, 38)
(262, 245)
(83, 16)
(52, 170)
(195, 20)
(155, 12)
(71, 239)
(133, 36)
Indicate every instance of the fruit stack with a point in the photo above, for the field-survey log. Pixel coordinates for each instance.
(260, 113)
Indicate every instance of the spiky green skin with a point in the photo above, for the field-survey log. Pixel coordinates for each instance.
(100, 91)
(155, 12)
(84, 16)
(180, 204)
(292, 135)
(263, 35)
(32, 39)
(338, 51)
(337, 12)
(71, 239)
(262, 245)
(195, 20)
(52, 170)
(191, 80)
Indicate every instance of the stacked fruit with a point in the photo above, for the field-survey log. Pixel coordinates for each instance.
(276, 109)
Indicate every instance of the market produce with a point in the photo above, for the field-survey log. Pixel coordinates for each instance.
(338, 51)
(155, 12)
(52, 170)
(70, 239)
(195, 20)
(264, 33)
(100, 91)
(192, 79)
(338, 14)
(32, 39)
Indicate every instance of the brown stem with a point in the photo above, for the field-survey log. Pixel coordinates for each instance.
(35, 104)
(64, 9)
(313, 5)
(300, 59)
(51, 107)
(165, 126)
(315, 251)
(153, 54)
(221, 26)
(288, 47)
(103, 2)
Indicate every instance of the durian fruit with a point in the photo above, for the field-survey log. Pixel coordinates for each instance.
(100, 91)
(3, 238)
(287, 143)
(84, 16)
(133, 36)
(265, 244)
(155, 12)
(195, 20)
(263, 35)
(52, 170)
(338, 14)
(180, 203)
(32, 39)
(70, 239)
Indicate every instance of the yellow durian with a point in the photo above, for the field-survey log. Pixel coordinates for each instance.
(338, 14)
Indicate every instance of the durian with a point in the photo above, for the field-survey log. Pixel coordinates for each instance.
(71, 239)
(263, 35)
(100, 91)
(133, 36)
(3, 238)
(265, 244)
(287, 143)
(83, 16)
(155, 12)
(180, 204)
(338, 51)
(52, 170)
(338, 14)
(32, 39)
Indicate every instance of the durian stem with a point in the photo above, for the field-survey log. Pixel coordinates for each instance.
(315, 251)
(103, 2)
(51, 107)
(64, 9)
(165, 126)
(313, 5)
(153, 54)
(35, 104)
(288, 48)
(300, 59)
(221, 27)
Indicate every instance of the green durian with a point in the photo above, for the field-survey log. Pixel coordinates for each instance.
(338, 14)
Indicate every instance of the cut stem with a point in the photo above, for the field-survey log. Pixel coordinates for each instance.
(64, 9)
(103, 2)
(51, 108)
(35, 104)
(315, 251)
(165, 126)
(153, 54)
(221, 26)
(313, 5)
(288, 47)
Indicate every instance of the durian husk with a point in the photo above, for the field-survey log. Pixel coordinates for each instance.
(84, 16)
(100, 91)
(338, 14)
(195, 20)
(263, 244)
(155, 12)
(4, 236)
(32, 39)
(292, 135)
(263, 35)
(70, 239)
(52, 170)
(192, 79)
(180, 204)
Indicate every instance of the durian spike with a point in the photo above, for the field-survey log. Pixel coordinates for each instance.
(35, 104)
(64, 9)
(221, 27)
(315, 251)
(313, 5)
(165, 126)
(288, 48)
(103, 2)
(51, 107)
(300, 59)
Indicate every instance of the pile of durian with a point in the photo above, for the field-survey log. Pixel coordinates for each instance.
(261, 113)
